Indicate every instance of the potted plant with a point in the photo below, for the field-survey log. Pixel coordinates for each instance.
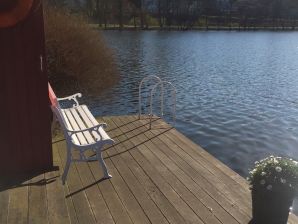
(273, 184)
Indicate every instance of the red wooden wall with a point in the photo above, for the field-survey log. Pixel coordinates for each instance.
(25, 128)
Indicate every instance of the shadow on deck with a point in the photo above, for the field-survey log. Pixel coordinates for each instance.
(159, 176)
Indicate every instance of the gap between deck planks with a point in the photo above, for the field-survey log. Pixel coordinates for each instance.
(169, 158)
(159, 176)
(233, 183)
(190, 186)
(187, 207)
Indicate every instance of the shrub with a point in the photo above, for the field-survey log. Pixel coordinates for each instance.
(275, 174)
(78, 58)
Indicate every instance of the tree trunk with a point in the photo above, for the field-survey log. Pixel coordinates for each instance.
(141, 19)
(120, 15)
(230, 20)
(105, 13)
(98, 14)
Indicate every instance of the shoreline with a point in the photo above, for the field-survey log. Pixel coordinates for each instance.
(154, 28)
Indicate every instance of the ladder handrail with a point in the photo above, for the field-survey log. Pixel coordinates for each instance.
(140, 90)
(174, 93)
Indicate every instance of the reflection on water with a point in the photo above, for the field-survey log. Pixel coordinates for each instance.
(237, 91)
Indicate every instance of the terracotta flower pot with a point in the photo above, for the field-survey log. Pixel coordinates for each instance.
(271, 207)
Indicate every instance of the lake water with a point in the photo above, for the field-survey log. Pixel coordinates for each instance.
(237, 92)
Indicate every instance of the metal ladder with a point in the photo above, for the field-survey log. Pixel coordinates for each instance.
(162, 85)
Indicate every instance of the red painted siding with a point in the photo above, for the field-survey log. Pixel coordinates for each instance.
(25, 136)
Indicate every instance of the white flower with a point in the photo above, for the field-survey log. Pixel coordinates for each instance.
(283, 180)
(269, 187)
(262, 182)
(275, 161)
(263, 174)
(278, 169)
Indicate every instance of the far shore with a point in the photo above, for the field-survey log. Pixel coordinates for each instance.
(201, 28)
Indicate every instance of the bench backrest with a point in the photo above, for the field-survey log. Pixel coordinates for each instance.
(55, 106)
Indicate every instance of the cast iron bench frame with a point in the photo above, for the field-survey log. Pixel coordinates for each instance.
(81, 131)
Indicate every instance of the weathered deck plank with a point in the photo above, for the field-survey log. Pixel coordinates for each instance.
(196, 171)
(18, 204)
(159, 176)
(4, 201)
(230, 186)
(81, 203)
(112, 199)
(60, 208)
(196, 206)
(150, 189)
(97, 202)
(37, 201)
(186, 175)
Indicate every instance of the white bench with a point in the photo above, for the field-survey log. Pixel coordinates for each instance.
(81, 130)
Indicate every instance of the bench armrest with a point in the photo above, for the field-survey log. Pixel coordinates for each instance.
(73, 98)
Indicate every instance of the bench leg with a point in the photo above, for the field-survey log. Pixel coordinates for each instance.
(67, 165)
(103, 164)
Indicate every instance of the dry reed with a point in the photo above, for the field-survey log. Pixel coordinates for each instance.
(78, 58)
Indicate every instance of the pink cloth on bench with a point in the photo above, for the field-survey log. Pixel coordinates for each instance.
(52, 96)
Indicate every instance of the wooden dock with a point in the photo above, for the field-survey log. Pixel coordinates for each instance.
(159, 176)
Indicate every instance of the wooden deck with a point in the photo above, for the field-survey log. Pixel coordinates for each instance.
(159, 176)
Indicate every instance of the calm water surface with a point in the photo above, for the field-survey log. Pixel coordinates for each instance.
(237, 91)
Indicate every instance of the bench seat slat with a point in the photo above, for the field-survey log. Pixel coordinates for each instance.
(75, 126)
(86, 118)
(81, 125)
(84, 109)
(92, 119)
(74, 137)
(88, 121)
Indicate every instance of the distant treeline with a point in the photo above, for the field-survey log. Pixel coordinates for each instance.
(188, 14)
